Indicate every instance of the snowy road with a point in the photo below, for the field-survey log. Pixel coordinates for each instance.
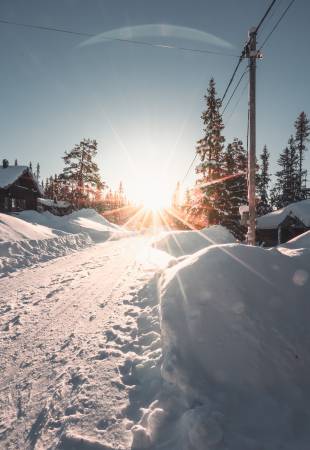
(69, 335)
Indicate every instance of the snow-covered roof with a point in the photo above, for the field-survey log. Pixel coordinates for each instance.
(50, 202)
(10, 174)
(300, 210)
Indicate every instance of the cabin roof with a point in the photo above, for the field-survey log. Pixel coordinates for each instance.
(10, 174)
(299, 210)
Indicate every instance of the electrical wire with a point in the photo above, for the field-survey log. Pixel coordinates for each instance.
(243, 53)
(274, 10)
(265, 16)
(237, 103)
(233, 75)
(190, 166)
(236, 87)
(277, 23)
(128, 41)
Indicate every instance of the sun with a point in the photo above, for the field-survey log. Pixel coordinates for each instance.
(152, 191)
(155, 197)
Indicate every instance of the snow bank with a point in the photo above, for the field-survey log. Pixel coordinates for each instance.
(25, 253)
(300, 210)
(82, 221)
(15, 229)
(301, 241)
(179, 243)
(29, 237)
(236, 341)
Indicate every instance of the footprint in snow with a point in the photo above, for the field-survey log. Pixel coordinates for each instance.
(54, 292)
(103, 424)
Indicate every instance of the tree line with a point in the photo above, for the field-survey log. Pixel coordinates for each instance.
(221, 185)
(80, 182)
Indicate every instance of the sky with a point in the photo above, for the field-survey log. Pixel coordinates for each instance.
(143, 104)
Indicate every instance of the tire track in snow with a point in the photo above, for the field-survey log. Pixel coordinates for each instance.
(59, 311)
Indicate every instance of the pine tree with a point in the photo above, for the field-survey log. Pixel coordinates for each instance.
(30, 166)
(210, 150)
(286, 189)
(262, 183)
(302, 127)
(81, 171)
(38, 171)
(49, 188)
(15, 163)
(234, 192)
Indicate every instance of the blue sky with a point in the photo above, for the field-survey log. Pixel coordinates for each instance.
(142, 104)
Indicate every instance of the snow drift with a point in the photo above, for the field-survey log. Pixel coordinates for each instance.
(82, 221)
(236, 341)
(179, 243)
(13, 228)
(30, 237)
(25, 253)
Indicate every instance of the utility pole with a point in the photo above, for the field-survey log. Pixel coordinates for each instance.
(252, 55)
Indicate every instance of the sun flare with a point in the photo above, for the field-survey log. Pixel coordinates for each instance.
(155, 198)
(153, 193)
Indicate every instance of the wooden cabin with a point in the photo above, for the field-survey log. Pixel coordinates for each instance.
(19, 188)
(283, 225)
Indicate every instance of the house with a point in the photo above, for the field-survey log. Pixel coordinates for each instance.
(56, 207)
(19, 188)
(284, 224)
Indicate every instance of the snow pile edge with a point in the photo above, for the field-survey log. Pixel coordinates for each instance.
(234, 322)
(20, 254)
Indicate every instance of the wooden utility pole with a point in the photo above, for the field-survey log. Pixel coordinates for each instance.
(252, 54)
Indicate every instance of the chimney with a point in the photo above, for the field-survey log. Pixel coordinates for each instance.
(5, 163)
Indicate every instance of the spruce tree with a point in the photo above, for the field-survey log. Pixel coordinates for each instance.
(286, 189)
(234, 191)
(210, 150)
(262, 183)
(302, 127)
(38, 171)
(81, 171)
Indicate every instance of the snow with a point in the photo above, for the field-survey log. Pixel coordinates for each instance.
(10, 174)
(31, 237)
(179, 243)
(81, 221)
(80, 349)
(122, 346)
(50, 202)
(15, 229)
(236, 338)
(300, 210)
(300, 242)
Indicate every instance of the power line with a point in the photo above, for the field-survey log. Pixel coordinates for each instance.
(236, 87)
(277, 23)
(233, 75)
(243, 53)
(275, 9)
(264, 16)
(188, 170)
(237, 103)
(128, 41)
(241, 57)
